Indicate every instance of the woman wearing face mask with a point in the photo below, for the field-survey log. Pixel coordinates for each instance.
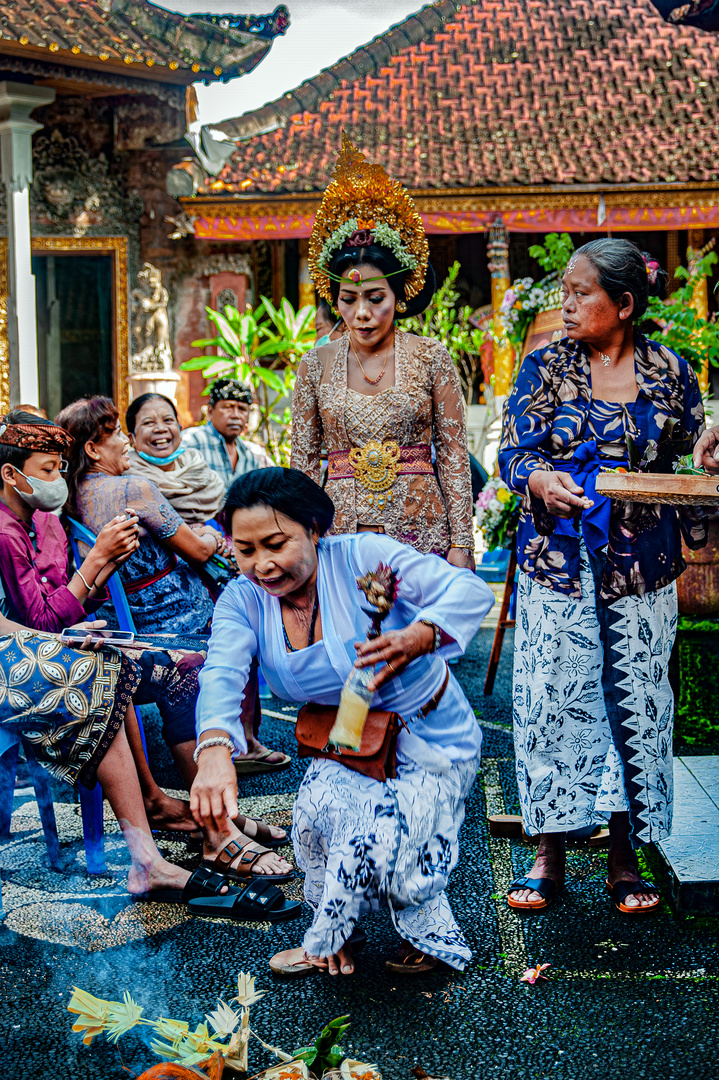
(181, 473)
(164, 593)
(196, 492)
(38, 590)
(379, 398)
(35, 585)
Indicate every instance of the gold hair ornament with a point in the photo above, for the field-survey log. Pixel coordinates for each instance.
(363, 203)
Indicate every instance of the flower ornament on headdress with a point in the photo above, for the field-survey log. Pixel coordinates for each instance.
(364, 206)
(652, 268)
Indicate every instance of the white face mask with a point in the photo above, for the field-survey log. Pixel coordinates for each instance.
(48, 495)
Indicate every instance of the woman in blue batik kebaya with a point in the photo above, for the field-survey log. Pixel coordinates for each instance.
(362, 844)
(597, 607)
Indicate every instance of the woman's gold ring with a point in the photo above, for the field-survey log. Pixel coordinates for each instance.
(391, 666)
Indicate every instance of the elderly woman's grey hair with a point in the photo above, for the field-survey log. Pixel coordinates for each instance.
(622, 268)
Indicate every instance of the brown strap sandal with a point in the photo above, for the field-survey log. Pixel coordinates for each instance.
(245, 852)
(264, 833)
(410, 961)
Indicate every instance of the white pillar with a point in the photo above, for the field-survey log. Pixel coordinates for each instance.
(17, 101)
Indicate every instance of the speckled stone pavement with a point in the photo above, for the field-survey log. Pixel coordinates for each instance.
(624, 1000)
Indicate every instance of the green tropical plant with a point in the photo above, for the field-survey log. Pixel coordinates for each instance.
(325, 1052)
(448, 321)
(680, 327)
(262, 347)
(554, 254)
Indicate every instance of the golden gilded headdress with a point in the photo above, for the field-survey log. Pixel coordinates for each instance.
(363, 205)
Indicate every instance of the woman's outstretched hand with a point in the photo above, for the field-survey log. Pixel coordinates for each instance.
(395, 649)
(213, 797)
(706, 451)
(559, 493)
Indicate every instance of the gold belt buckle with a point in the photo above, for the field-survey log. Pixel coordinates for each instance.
(376, 466)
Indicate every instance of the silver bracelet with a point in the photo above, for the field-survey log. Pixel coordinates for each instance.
(82, 578)
(220, 740)
(437, 633)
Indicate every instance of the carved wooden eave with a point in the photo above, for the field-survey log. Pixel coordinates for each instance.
(136, 39)
(638, 207)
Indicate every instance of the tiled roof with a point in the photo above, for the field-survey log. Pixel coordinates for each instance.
(506, 92)
(139, 36)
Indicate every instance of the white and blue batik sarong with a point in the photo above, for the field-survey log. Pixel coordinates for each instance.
(364, 845)
(593, 708)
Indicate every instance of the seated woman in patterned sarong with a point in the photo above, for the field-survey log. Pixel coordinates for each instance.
(73, 707)
(362, 844)
(597, 599)
(39, 591)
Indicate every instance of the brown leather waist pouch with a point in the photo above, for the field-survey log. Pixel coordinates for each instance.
(377, 755)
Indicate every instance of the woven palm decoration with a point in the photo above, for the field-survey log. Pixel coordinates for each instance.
(364, 205)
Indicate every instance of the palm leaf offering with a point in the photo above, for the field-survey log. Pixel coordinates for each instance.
(220, 1042)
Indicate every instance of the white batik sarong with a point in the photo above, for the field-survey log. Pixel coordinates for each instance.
(593, 708)
(363, 845)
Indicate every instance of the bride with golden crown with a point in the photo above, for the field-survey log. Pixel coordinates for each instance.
(387, 405)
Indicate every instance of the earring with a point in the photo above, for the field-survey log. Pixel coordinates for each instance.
(401, 307)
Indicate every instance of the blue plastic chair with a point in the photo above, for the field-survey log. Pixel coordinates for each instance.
(93, 827)
(10, 744)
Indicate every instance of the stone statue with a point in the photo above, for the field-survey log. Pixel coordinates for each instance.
(150, 324)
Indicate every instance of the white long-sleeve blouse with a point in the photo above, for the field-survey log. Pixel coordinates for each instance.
(248, 622)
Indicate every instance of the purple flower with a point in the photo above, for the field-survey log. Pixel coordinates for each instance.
(360, 238)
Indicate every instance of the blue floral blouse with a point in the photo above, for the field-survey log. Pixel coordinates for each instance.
(551, 421)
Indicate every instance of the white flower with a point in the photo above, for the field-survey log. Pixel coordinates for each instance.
(495, 504)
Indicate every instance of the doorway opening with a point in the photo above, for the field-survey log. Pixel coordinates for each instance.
(75, 327)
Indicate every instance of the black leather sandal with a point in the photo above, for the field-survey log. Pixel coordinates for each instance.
(201, 883)
(257, 902)
(623, 889)
(546, 888)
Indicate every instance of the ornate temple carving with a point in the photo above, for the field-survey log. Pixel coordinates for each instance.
(150, 323)
(224, 264)
(74, 193)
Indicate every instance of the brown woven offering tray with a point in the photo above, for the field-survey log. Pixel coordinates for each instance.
(660, 488)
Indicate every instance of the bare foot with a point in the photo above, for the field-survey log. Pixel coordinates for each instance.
(159, 874)
(268, 864)
(550, 863)
(170, 814)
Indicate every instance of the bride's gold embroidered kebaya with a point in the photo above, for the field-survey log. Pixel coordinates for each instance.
(380, 468)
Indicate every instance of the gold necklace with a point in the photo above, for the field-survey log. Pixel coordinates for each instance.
(372, 382)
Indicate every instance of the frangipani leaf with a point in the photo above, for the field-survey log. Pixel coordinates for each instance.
(246, 993)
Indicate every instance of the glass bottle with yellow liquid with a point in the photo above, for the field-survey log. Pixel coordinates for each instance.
(355, 701)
